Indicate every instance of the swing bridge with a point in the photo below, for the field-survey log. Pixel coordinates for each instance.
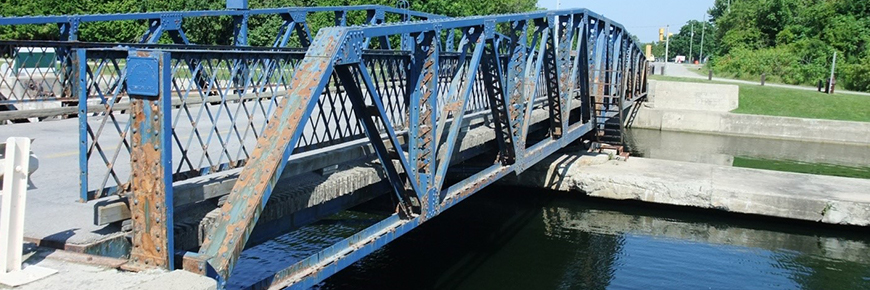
(188, 155)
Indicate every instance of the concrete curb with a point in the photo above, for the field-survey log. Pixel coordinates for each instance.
(800, 129)
(825, 199)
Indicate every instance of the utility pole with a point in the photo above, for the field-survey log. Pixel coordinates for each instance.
(667, 47)
(691, 42)
(831, 80)
(703, 30)
(556, 32)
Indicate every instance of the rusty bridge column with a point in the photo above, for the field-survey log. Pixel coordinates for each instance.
(148, 84)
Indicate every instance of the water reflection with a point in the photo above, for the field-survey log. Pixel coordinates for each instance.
(540, 240)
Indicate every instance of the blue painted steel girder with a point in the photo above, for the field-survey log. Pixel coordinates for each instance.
(340, 48)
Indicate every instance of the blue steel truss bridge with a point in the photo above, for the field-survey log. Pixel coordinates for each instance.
(187, 155)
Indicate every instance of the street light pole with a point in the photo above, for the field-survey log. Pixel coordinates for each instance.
(703, 30)
(691, 42)
(667, 47)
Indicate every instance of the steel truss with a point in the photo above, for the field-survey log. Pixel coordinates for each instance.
(180, 111)
(587, 46)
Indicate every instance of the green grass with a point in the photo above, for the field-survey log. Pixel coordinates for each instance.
(802, 167)
(772, 101)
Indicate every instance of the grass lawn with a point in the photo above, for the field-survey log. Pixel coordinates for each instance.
(801, 167)
(771, 101)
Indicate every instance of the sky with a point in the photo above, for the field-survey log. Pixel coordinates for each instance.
(642, 17)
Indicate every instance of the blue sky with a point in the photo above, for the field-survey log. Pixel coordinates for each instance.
(641, 17)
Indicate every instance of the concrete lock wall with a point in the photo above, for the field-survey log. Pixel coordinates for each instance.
(664, 112)
(694, 96)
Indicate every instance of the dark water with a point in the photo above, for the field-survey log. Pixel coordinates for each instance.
(505, 239)
(759, 153)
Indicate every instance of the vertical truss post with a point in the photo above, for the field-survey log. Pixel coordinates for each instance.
(423, 78)
(69, 31)
(585, 53)
(240, 30)
(602, 76)
(624, 76)
(551, 71)
(498, 105)
(558, 73)
(226, 239)
(240, 22)
(80, 87)
(151, 158)
(516, 82)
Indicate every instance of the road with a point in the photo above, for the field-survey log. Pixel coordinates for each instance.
(685, 71)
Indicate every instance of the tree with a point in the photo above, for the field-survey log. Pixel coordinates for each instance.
(216, 30)
(684, 41)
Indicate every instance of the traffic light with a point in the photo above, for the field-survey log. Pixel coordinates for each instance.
(661, 34)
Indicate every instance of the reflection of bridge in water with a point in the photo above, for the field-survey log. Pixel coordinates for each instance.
(181, 146)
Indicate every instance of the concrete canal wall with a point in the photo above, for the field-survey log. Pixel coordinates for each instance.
(825, 199)
(704, 108)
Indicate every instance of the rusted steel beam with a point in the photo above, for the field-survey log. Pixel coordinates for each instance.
(423, 103)
(515, 83)
(239, 214)
(493, 80)
(151, 158)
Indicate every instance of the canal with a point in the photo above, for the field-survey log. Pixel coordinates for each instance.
(507, 238)
(516, 238)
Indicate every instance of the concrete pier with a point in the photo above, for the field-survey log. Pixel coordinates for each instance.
(825, 199)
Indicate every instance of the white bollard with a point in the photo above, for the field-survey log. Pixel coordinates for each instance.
(15, 177)
(14, 195)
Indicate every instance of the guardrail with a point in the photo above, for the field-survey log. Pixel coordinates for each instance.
(220, 104)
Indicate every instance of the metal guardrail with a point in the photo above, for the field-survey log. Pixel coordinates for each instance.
(220, 104)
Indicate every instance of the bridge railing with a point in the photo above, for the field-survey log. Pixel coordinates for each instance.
(220, 104)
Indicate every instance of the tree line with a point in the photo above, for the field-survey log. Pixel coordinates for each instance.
(216, 30)
(792, 41)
